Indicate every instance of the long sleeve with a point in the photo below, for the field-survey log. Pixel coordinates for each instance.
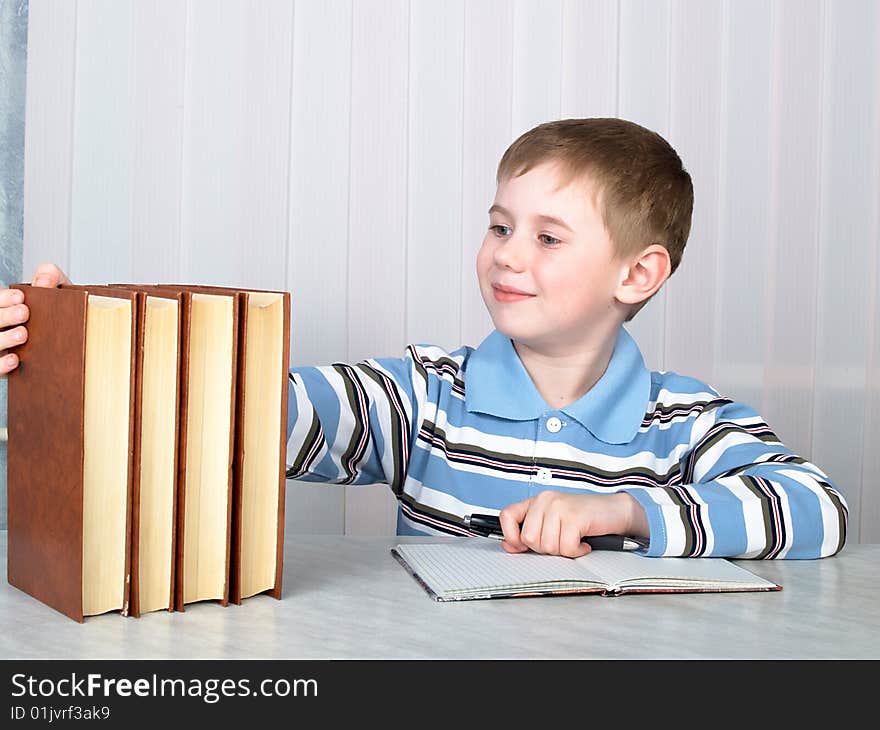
(459, 432)
(351, 424)
(743, 494)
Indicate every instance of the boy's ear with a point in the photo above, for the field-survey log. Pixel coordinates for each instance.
(644, 275)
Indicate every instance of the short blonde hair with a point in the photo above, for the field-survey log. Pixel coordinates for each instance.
(644, 193)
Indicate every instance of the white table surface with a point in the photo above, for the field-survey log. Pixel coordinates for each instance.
(348, 598)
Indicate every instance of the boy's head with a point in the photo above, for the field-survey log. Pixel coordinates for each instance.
(643, 191)
(590, 218)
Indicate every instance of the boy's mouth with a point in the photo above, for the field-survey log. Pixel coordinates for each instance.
(508, 294)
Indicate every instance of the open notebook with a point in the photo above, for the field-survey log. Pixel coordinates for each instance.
(475, 568)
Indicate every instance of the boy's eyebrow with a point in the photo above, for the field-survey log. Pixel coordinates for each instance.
(545, 218)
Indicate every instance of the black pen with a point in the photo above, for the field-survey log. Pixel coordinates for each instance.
(490, 526)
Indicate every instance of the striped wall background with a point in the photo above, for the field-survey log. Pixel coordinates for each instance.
(346, 150)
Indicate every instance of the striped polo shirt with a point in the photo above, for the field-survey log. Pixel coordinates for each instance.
(467, 431)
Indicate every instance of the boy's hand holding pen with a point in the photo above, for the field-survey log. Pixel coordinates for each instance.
(486, 525)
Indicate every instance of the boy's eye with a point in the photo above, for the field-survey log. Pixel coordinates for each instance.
(498, 231)
(549, 240)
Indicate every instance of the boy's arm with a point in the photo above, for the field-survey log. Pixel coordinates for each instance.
(352, 424)
(743, 494)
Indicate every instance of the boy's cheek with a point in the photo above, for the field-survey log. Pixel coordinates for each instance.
(484, 263)
(483, 256)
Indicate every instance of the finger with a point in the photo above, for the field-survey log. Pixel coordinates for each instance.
(532, 528)
(551, 527)
(570, 544)
(11, 297)
(8, 363)
(510, 518)
(12, 337)
(13, 315)
(49, 275)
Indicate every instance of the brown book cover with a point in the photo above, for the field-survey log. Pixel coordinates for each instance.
(47, 459)
(245, 502)
(189, 441)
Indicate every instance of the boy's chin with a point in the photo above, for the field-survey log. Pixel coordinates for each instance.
(512, 333)
(521, 335)
(539, 341)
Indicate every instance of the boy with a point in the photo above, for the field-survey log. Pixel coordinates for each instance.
(553, 421)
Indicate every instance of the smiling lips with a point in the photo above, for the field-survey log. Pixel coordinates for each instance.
(508, 294)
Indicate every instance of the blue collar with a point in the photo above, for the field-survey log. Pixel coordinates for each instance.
(497, 383)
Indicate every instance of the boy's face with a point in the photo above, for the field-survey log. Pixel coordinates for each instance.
(547, 267)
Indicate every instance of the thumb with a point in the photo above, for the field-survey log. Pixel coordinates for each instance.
(49, 275)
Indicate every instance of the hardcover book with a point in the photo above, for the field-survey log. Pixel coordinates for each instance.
(71, 450)
(210, 324)
(154, 489)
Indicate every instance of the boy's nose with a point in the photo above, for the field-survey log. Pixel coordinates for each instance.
(511, 254)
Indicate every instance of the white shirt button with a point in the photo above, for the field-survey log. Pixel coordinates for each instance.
(544, 475)
(553, 424)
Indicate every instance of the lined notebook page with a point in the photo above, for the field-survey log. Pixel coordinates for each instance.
(619, 568)
(477, 564)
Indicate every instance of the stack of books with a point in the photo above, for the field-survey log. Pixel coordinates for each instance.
(147, 443)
